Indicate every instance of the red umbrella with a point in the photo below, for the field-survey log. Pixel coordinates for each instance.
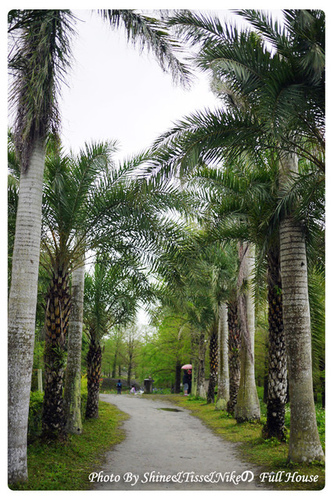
(186, 367)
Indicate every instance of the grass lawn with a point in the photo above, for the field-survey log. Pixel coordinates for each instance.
(66, 466)
(270, 455)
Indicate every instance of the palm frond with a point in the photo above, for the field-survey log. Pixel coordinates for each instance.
(151, 33)
(39, 60)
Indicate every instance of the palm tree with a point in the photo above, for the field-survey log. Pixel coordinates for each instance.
(38, 61)
(277, 102)
(70, 185)
(247, 200)
(306, 30)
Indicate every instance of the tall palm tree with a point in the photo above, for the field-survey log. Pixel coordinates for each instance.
(70, 185)
(302, 75)
(278, 103)
(38, 60)
(244, 199)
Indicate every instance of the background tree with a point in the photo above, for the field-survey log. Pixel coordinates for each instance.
(112, 296)
(132, 344)
(166, 349)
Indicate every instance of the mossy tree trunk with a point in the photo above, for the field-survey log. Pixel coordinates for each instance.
(94, 360)
(213, 353)
(234, 345)
(58, 305)
(277, 362)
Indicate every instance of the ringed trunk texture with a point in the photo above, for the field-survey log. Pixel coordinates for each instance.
(22, 311)
(234, 346)
(94, 360)
(248, 405)
(304, 443)
(213, 353)
(72, 390)
(277, 363)
(58, 306)
(223, 394)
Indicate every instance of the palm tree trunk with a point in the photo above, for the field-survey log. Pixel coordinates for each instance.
(72, 390)
(22, 311)
(304, 443)
(200, 383)
(248, 405)
(58, 306)
(223, 394)
(213, 352)
(277, 364)
(94, 359)
(234, 345)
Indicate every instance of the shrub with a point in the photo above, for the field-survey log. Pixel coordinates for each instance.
(35, 415)
(36, 409)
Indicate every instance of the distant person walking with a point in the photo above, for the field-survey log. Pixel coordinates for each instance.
(119, 387)
(187, 382)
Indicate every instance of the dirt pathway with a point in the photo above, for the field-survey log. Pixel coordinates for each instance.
(168, 449)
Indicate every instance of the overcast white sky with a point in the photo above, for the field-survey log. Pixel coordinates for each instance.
(117, 93)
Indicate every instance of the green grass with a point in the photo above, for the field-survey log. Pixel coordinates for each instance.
(66, 466)
(269, 455)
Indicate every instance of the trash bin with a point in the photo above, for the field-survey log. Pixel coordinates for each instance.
(148, 385)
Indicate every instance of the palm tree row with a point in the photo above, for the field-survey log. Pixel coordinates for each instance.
(274, 100)
(252, 171)
(39, 59)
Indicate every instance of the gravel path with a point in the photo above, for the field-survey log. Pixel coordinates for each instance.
(166, 449)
